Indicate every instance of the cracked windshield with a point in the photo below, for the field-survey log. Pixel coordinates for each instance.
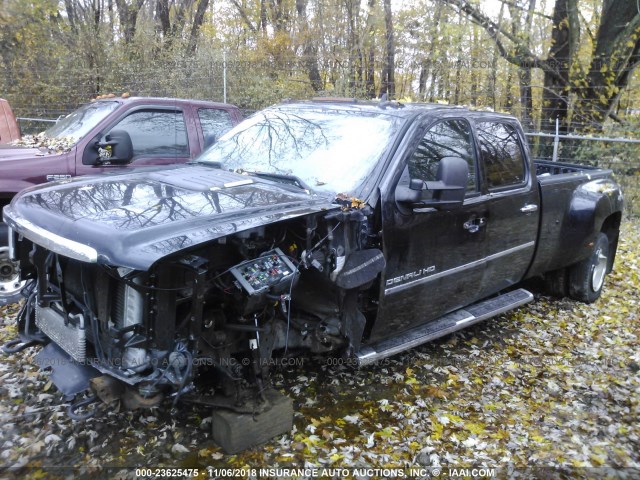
(325, 149)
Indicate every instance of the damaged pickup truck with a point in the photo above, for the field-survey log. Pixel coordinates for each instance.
(357, 228)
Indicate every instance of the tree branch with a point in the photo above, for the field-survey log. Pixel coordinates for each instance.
(617, 119)
(523, 57)
(244, 15)
(515, 5)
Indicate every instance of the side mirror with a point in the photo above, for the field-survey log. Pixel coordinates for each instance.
(450, 186)
(448, 190)
(116, 149)
(411, 193)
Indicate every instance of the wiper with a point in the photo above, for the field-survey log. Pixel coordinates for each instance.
(282, 178)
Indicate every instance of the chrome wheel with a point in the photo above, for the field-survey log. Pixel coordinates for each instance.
(10, 284)
(586, 278)
(599, 270)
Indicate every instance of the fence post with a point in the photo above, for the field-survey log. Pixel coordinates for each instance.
(224, 76)
(556, 141)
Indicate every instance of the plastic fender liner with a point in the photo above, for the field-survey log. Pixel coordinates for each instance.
(360, 268)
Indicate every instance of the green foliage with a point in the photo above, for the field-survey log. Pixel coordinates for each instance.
(52, 59)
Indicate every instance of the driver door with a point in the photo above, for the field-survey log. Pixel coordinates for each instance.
(158, 136)
(435, 256)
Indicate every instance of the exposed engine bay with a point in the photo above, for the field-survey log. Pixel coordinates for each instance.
(205, 323)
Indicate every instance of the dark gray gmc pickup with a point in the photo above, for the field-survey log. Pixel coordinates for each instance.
(359, 228)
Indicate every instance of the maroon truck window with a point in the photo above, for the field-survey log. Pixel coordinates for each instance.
(215, 123)
(156, 132)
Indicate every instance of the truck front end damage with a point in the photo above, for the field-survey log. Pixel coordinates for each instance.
(185, 282)
(200, 324)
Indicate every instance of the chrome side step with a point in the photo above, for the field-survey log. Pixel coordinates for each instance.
(443, 326)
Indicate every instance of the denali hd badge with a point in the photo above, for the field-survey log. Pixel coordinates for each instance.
(410, 276)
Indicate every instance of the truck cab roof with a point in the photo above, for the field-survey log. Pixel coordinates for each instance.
(163, 100)
(398, 109)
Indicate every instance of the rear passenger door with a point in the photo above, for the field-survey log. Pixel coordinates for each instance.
(512, 202)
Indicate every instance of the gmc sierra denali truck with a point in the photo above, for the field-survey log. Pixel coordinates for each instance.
(357, 228)
(106, 134)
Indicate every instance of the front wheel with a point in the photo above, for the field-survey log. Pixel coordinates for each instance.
(586, 278)
(10, 284)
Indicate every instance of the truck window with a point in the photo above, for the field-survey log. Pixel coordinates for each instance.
(81, 121)
(450, 138)
(155, 132)
(502, 154)
(215, 122)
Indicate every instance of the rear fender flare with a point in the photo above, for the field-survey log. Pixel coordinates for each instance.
(591, 205)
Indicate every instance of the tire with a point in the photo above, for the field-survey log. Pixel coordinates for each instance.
(556, 283)
(586, 278)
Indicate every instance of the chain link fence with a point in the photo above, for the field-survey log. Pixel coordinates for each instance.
(254, 85)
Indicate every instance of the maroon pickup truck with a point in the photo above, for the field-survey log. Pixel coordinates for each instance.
(101, 136)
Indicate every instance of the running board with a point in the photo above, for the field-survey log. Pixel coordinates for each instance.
(443, 326)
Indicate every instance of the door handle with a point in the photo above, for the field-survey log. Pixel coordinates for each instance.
(530, 208)
(473, 224)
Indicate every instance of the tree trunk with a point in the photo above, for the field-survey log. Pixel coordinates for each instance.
(555, 100)
(353, 50)
(198, 18)
(526, 98)
(427, 62)
(278, 15)
(370, 84)
(128, 17)
(456, 94)
(492, 74)
(162, 15)
(388, 71)
(522, 28)
(508, 101)
(310, 52)
(616, 55)
(263, 17)
(71, 14)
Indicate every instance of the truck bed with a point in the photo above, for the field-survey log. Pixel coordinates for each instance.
(563, 230)
(547, 168)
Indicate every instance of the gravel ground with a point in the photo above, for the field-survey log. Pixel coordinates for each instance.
(553, 384)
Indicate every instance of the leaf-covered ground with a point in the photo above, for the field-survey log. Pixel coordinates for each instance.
(556, 383)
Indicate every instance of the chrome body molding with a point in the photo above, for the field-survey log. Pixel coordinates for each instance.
(461, 268)
(50, 241)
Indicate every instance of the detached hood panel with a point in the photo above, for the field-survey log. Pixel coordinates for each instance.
(133, 220)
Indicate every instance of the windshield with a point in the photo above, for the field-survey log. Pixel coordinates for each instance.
(329, 149)
(79, 122)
